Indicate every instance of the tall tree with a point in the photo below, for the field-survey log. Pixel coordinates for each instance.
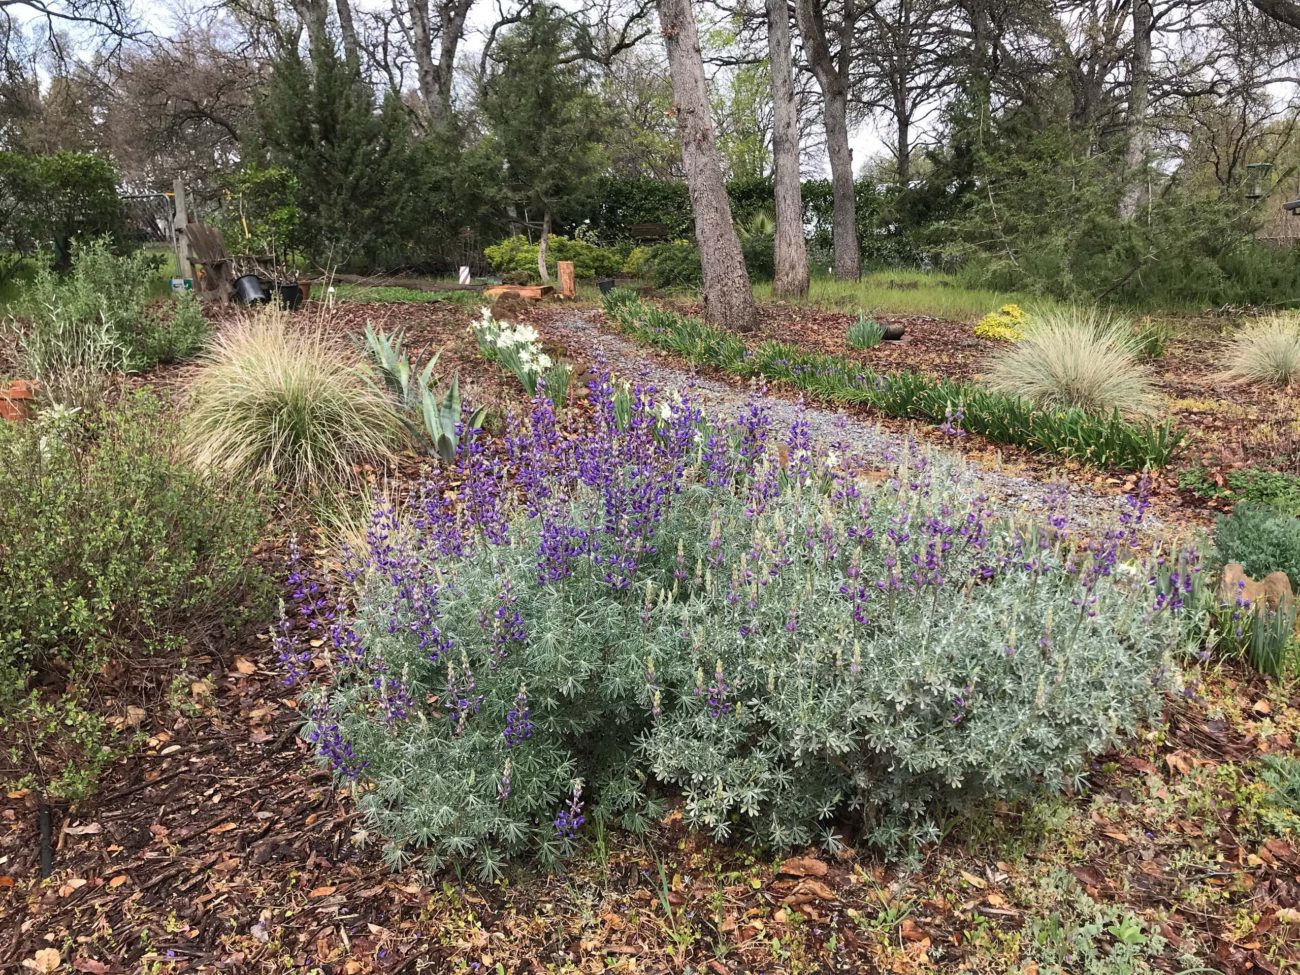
(832, 71)
(1139, 100)
(728, 300)
(351, 158)
(434, 30)
(545, 118)
(790, 254)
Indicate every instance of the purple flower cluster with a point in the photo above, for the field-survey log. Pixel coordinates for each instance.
(462, 697)
(571, 819)
(519, 722)
(331, 745)
(715, 694)
(505, 623)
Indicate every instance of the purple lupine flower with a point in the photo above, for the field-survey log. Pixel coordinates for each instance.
(331, 745)
(716, 693)
(519, 723)
(571, 819)
(463, 698)
(505, 786)
(394, 698)
(952, 420)
(483, 485)
(505, 623)
(294, 658)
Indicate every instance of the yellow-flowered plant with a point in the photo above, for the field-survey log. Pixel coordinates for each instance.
(1007, 324)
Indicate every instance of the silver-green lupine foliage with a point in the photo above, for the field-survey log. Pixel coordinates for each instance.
(658, 604)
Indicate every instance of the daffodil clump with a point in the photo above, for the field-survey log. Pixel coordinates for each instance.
(517, 348)
(1007, 324)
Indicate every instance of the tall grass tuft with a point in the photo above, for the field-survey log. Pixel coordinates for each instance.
(297, 406)
(1076, 357)
(865, 333)
(1265, 352)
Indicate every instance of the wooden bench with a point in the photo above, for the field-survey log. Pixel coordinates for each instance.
(648, 232)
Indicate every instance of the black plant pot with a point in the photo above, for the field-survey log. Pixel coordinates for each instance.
(893, 333)
(250, 291)
(290, 295)
(606, 285)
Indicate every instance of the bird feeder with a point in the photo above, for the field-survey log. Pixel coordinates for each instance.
(1256, 173)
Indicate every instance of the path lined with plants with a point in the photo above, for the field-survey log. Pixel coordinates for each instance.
(836, 430)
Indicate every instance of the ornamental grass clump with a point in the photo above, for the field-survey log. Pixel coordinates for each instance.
(290, 404)
(1076, 358)
(865, 333)
(1266, 352)
(654, 603)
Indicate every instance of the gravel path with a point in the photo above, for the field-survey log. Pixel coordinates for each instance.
(583, 332)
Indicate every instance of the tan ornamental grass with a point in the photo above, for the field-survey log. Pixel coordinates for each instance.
(293, 404)
(1076, 356)
(1266, 352)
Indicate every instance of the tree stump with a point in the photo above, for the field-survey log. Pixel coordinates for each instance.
(568, 288)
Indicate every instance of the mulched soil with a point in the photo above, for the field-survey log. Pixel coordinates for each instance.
(218, 846)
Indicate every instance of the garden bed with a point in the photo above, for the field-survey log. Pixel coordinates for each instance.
(1225, 429)
(220, 845)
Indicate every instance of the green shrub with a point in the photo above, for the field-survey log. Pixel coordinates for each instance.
(98, 319)
(758, 249)
(1265, 352)
(636, 264)
(518, 255)
(1150, 339)
(1076, 358)
(176, 333)
(299, 407)
(1257, 485)
(865, 333)
(675, 264)
(1103, 441)
(112, 547)
(1261, 539)
(53, 200)
(709, 606)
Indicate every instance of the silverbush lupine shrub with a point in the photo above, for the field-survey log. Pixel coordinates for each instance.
(660, 604)
(1106, 440)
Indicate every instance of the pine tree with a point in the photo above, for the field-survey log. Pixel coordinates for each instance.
(546, 120)
(352, 158)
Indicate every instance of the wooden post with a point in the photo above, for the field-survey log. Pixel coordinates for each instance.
(180, 232)
(568, 288)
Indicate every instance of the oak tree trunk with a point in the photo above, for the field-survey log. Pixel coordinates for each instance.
(348, 33)
(790, 253)
(1139, 99)
(834, 87)
(728, 300)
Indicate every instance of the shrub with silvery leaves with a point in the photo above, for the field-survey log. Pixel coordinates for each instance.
(657, 604)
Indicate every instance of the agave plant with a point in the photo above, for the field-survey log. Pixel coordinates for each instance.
(428, 418)
(395, 367)
(442, 420)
